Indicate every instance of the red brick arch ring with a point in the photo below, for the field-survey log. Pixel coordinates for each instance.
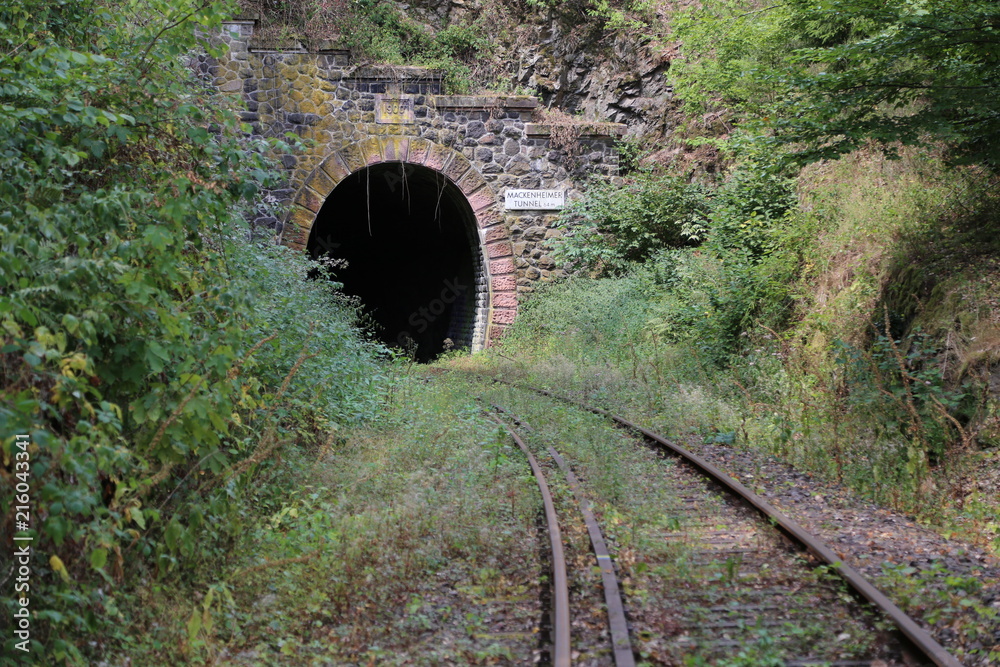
(494, 239)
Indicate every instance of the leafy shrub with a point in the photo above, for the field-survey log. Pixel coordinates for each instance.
(339, 380)
(897, 385)
(139, 349)
(748, 211)
(742, 272)
(588, 316)
(826, 78)
(613, 225)
(729, 49)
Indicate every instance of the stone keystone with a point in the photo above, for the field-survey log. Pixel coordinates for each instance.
(395, 149)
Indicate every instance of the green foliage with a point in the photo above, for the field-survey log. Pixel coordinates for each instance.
(379, 31)
(710, 295)
(605, 313)
(945, 599)
(923, 69)
(899, 387)
(749, 210)
(828, 77)
(613, 15)
(368, 542)
(129, 314)
(614, 225)
(730, 49)
(761, 335)
(337, 380)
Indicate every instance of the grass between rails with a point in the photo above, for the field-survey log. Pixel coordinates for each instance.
(948, 600)
(637, 496)
(945, 599)
(413, 541)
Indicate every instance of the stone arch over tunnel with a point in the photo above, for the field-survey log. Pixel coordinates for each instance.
(426, 246)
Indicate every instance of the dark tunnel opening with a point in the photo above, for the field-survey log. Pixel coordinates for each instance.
(408, 237)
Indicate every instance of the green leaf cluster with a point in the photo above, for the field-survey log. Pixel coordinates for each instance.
(723, 257)
(379, 31)
(615, 224)
(923, 69)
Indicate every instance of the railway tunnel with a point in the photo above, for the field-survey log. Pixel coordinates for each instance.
(407, 246)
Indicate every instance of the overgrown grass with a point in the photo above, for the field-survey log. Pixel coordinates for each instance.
(394, 544)
(636, 495)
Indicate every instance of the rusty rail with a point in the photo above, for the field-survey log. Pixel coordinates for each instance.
(617, 623)
(561, 650)
(920, 638)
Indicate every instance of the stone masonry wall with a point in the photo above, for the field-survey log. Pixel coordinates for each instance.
(353, 117)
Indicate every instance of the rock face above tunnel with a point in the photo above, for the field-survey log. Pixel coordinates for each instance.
(569, 64)
(355, 117)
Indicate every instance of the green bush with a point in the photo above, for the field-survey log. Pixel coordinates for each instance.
(741, 273)
(730, 48)
(749, 210)
(130, 313)
(615, 225)
(587, 316)
(827, 78)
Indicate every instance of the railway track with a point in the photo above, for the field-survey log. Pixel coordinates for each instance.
(621, 647)
(734, 582)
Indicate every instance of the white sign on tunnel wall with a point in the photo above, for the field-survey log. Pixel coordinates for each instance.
(539, 200)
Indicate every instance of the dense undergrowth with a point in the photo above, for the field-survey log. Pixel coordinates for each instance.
(813, 352)
(409, 541)
(156, 360)
(841, 314)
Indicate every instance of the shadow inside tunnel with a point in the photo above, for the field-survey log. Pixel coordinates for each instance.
(408, 248)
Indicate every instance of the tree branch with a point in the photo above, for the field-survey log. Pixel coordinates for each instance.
(149, 47)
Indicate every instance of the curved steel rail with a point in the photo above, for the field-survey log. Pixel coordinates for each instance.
(920, 638)
(560, 589)
(617, 623)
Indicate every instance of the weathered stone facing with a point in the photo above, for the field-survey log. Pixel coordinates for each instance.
(483, 144)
